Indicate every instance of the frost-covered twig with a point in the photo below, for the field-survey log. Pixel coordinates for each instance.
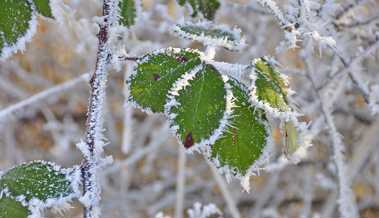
(58, 89)
(94, 141)
(308, 193)
(346, 201)
(359, 23)
(347, 8)
(206, 211)
(128, 118)
(363, 87)
(274, 10)
(230, 202)
(180, 183)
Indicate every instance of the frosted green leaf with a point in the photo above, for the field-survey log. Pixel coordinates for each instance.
(210, 34)
(10, 208)
(243, 142)
(270, 86)
(155, 75)
(207, 8)
(17, 25)
(291, 138)
(197, 108)
(128, 12)
(43, 7)
(40, 180)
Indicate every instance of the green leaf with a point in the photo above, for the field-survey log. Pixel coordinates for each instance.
(40, 180)
(197, 106)
(17, 25)
(156, 74)
(128, 12)
(270, 85)
(210, 34)
(243, 142)
(291, 138)
(43, 7)
(10, 208)
(207, 8)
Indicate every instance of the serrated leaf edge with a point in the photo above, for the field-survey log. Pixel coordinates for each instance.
(274, 112)
(52, 3)
(20, 45)
(204, 145)
(145, 58)
(36, 206)
(236, 45)
(304, 138)
(258, 165)
(138, 10)
(6, 193)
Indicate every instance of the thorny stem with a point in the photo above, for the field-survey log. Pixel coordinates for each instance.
(93, 138)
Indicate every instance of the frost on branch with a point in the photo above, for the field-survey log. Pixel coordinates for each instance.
(199, 211)
(210, 34)
(374, 99)
(39, 185)
(206, 211)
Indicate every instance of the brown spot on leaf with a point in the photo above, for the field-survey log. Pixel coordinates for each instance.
(156, 77)
(188, 141)
(181, 59)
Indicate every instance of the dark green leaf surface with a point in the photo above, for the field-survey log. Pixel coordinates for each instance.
(270, 86)
(40, 180)
(128, 12)
(14, 22)
(202, 106)
(43, 7)
(245, 138)
(10, 208)
(206, 7)
(156, 75)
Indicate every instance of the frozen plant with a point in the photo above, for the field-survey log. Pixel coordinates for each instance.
(230, 113)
